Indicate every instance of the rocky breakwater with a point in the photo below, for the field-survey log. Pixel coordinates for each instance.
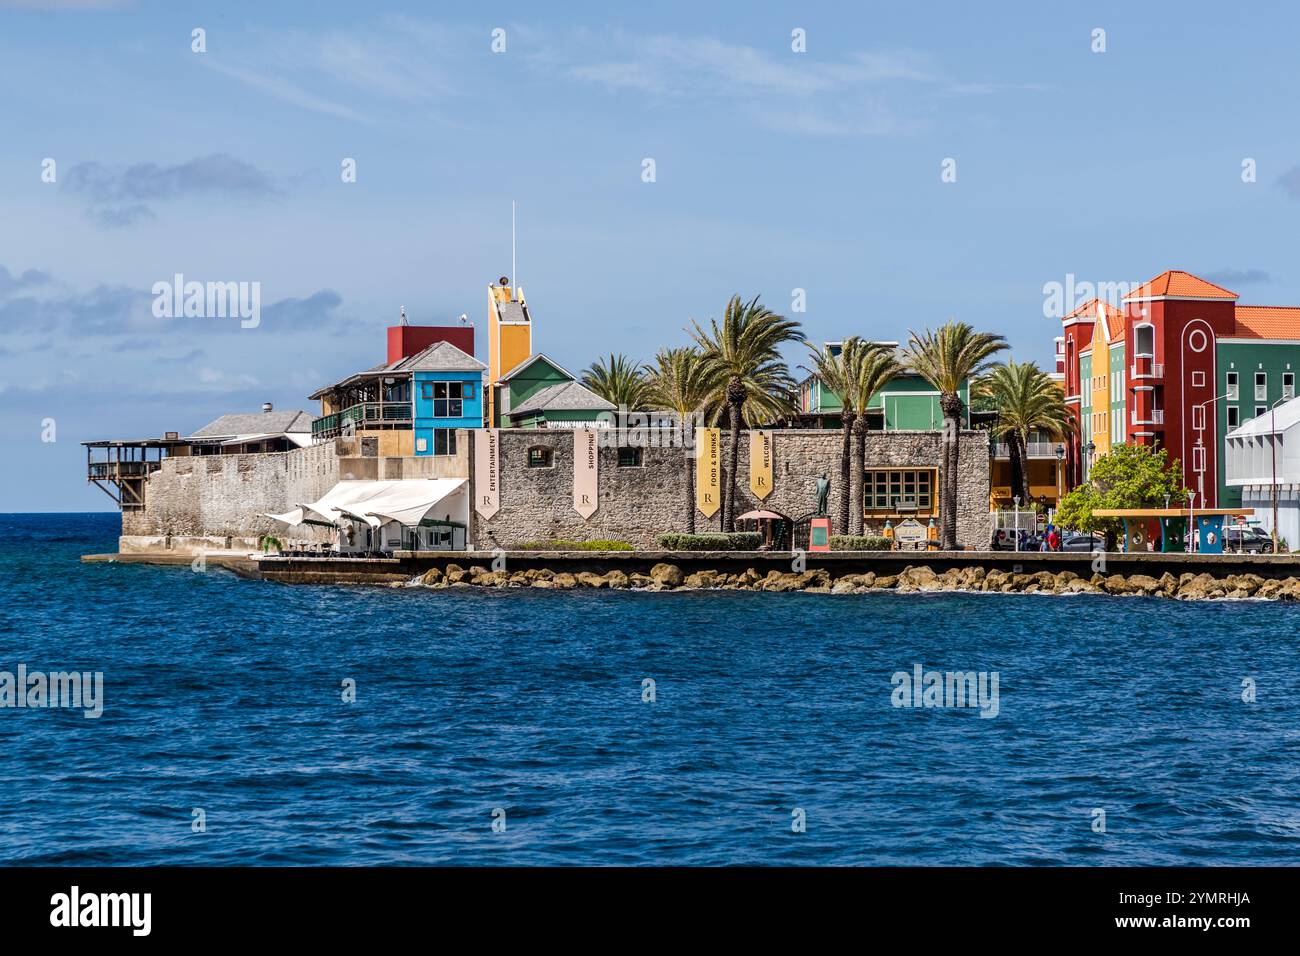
(669, 577)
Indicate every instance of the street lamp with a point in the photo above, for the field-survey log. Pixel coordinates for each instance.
(1088, 451)
(1272, 447)
(1200, 443)
(1060, 458)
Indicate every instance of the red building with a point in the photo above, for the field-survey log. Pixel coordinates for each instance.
(407, 340)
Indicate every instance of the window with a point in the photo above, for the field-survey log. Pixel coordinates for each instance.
(1232, 386)
(629, 457)
(1234, 416)
(1198, 379)
(447, 399)
(1198, 418)
(1288, 385)
(1198, 458)
(444, 441)
(894, 491)
(1260, 410)
(1261, 386)
(1145, 345)
(422, 445)
(540, 456)
(426, 391)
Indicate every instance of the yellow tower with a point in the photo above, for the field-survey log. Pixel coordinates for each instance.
(510, 339)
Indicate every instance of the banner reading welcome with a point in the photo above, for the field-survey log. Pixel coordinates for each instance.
(760, 463)
(586, 480)
(487, 472)
(708, 470)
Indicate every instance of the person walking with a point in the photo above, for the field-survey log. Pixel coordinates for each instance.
(1053, 538)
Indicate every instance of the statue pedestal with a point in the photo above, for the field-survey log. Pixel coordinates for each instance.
(819, 534)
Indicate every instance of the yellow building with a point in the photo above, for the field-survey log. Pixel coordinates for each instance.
(510, 339)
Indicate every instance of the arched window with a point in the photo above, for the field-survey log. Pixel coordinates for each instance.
(540, 456)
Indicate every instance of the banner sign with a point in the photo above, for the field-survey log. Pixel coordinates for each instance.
(708, 470)
(586, 457)
(760, 463)
(487, 472)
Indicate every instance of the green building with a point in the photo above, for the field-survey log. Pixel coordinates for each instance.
(908, 403)
(541, 393)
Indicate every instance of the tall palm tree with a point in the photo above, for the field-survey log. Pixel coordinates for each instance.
(832, 372)
(948, 358)
(1026, 399)
(752, 383)
(679, 382)
(620, 381)
(871, 366)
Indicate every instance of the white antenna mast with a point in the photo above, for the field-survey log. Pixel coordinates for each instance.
(514, 279)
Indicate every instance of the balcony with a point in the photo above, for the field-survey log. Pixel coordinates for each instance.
(1033, 449)
(1145, 369)
(111, 470)
(360, 416)
(1154, 417)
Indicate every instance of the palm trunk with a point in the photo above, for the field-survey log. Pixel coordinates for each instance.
(859, 464)
(729, 498)
(690, 492)
(846, 467)
(950, 403)
(1017, 466)
(1022, 449)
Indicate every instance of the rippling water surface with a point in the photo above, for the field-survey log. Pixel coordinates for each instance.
(225, 695)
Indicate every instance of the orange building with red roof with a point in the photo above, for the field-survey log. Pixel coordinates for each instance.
(1177, 364)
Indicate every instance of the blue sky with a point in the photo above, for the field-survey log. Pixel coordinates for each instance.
(775, 170)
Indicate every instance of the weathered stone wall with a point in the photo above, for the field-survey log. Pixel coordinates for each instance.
(639, 503)
(217, 496)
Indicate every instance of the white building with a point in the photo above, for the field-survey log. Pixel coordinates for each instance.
(1264, 454)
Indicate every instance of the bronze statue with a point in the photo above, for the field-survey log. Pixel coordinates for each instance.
(823, 492)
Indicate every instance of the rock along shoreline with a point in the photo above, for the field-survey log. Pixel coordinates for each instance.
(912, 579)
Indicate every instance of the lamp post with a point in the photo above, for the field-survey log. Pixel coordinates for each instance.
(1060, 459)
(1272, 447)
(1089, 450)
(1200, 443)
(1191, 521)
(1015, 534)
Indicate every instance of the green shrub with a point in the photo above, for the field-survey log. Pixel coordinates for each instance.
(861, 542)
(560, 544)
(711, 541)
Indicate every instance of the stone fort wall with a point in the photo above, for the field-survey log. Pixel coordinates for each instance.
(215, 501)
(638, 503)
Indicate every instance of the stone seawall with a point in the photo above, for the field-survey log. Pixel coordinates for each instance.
(639, 502)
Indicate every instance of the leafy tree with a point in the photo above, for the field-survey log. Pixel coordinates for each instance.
(1128, 476)
(872, 366)
(620, 381)
(947, 359)
(752, 382)
(1026, 400)
(679, 382)
(831, 368)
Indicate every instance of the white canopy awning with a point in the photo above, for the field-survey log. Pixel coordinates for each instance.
(406, 501)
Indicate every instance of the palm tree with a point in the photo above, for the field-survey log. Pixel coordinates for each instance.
(1026, 399)
(619, 381)
(751, 381)
(831, 370)
(871, 366)
(948, 359)
(679, 382)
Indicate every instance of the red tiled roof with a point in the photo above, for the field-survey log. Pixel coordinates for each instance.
(1114, 324)
(1181, 284)
(1088, 308)
(1267, 322)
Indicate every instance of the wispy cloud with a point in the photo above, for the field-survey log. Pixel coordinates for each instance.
(119, 195)
(1231, 277)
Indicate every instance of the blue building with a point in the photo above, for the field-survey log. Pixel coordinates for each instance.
(447, 393)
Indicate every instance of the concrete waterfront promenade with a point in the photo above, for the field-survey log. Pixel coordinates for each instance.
(1172, 575)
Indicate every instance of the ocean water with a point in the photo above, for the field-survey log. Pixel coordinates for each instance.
(225, 695)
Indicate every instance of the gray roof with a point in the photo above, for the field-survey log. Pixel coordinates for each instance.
(564, 397)
(438, 357)
(256, 423)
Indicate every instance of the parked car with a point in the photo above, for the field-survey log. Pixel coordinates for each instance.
(1073, 541)
(1246, 539)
